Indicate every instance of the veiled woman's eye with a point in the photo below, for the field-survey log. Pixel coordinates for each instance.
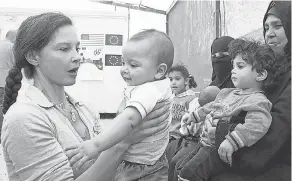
(219, 54)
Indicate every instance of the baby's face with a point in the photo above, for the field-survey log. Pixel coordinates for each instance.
(208, 95)
(202, 99)
(138, 66)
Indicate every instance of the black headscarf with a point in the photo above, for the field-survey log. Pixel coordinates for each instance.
(222, 66)
(282, 10)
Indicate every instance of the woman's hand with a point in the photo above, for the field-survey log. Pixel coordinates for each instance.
(158, 113)
(151, 124)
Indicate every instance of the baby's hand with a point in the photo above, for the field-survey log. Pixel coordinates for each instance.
(225, 152)
(80, 155)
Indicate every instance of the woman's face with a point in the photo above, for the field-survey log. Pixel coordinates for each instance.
(275, 35)
(59, 60)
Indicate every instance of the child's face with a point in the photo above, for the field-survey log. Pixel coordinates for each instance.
(138, 66)
(177, 82)
(243, 76)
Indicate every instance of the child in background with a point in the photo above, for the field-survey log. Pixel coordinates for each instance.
(147, 56)
(178, 145)
(206, 95)
(180, 79)
(253, 73)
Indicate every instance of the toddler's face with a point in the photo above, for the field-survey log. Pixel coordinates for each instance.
(138, 65)
(243, 76)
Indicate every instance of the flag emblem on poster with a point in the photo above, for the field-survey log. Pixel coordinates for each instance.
(92, 40)
(113, 60)
(114, 40)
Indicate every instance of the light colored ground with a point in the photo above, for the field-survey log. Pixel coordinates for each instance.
(3, 173)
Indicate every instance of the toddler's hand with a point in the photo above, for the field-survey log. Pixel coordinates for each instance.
(225, 152)
(183, 126)
(208, 121)
(80, 155)
(186, 118)
(215, 122)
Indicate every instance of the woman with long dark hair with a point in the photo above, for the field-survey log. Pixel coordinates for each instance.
(42, 125)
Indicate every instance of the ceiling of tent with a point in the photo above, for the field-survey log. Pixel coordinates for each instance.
(163, 5)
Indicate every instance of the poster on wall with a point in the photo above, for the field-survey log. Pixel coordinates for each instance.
(91, 67)
(91, 50)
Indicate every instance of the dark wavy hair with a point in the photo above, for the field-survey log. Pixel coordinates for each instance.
(185, 73)
(260, 56)
(33, 34)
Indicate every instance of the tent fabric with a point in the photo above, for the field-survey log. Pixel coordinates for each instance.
(163, 5)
